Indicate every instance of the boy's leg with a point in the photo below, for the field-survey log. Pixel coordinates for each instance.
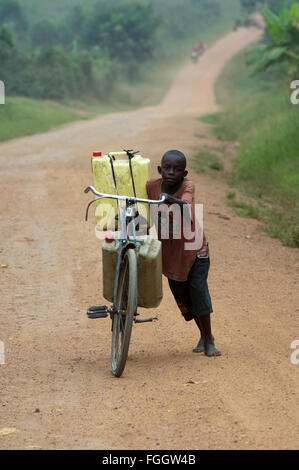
(180, 291)
(181, 294)
(201, 343)
(202, 306)
(208, 339)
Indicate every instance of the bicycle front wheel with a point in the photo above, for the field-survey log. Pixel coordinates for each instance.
(126, 306)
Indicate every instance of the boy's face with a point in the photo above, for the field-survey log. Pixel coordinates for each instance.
(172, 170)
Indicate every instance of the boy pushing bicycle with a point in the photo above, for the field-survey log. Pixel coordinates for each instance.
(186, 269)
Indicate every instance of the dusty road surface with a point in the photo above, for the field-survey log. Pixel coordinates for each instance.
(57, 391)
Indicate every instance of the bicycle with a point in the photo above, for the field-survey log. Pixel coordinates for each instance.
(123, 312)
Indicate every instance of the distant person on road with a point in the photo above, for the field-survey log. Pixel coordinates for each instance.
(194, 55)
(186, 269)
(200, 48)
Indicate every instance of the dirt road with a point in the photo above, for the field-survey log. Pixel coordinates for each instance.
(57, 391)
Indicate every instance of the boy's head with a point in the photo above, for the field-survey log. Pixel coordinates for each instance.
(173, 167)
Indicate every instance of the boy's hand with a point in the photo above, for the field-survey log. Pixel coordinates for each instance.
(171, 200)
(166, 196)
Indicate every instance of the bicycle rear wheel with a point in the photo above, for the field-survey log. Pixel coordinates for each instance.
(126, 306)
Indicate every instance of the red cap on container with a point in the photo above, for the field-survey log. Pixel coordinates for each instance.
(97, 154)
(109, 237)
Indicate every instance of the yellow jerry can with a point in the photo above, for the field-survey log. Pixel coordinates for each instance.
(149, 256)
(111, 175)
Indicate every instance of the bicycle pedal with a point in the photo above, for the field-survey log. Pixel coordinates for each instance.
(145, 320)
(97, 308)
(98, 311)
(97, 315)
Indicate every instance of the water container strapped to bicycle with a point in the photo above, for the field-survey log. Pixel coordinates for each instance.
(130, 155)
(126, 176)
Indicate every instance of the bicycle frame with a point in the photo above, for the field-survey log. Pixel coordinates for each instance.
(129, 214)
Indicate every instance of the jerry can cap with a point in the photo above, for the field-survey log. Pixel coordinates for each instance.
(97, 154)
(109, 237)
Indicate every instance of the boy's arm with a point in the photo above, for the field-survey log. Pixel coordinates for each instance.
(173, 200)
(187, 198)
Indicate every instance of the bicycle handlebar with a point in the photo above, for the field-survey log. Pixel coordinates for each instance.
(123, 198)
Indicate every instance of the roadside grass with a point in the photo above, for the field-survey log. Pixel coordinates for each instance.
(276, 221)
(259, 117)
(25, 116)
(242, 208)
(205, 160)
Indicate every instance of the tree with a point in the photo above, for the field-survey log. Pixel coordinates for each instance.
(284, 47)
(71, 27)
(44, 34)
(13, 62)
(12, 13)
(277, 5)
(249, 4)
(54, 77)
(126, 31)
(7, 44)
(76, 19)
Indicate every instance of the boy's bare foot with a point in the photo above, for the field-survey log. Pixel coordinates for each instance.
(200, 346)
(210, 349)
(206, 343)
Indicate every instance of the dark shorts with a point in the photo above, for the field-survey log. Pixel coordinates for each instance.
(192, 296)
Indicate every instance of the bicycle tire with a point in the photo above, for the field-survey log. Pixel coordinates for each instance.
(126, 305)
